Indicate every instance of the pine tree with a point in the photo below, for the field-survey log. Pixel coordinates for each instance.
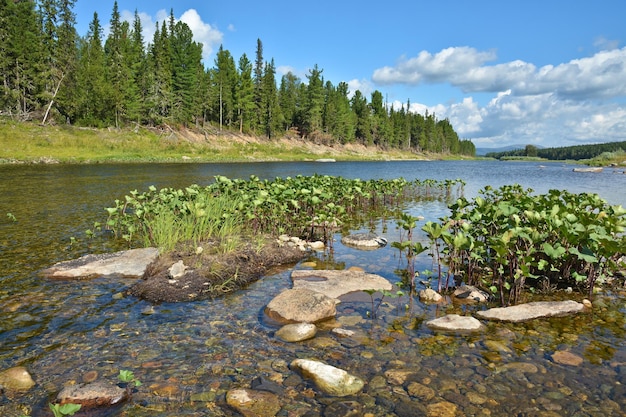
(93, 96)
(314, 103)
(186, 57)
(271, 120)
(244, 94)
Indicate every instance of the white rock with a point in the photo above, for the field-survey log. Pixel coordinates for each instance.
(177, 270)
(296, 332)
(430, 295)
(331, 380)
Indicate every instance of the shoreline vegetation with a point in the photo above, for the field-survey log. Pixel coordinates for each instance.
(32, 143)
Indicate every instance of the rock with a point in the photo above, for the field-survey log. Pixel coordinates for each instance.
(94, 394)
(16, 378)
(252, 403)
(334, 283)
(296, 332)
(333, 381)
(567, 358)
(341, 332)
(301, 305)
(454, 322)
(316, 245)
(441, 409)
(469, 293)
(429, 295)
(424, 393)
(365, 241)
(177, 270)
(131, 263)
(523, 367)
(530, 311)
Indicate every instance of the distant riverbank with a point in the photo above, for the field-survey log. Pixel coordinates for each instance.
(23, 142)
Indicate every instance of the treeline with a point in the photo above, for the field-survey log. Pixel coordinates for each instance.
(575, 153)
(50, 73)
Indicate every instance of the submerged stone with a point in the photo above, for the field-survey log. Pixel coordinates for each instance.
(331, 380)
(16, 378)
(94, 394)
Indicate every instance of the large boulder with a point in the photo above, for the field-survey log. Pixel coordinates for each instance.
(334, 284)
(94, 394)
(298, 305)
(130, 263)
(530, 311)
(16, 379)
(331, 380)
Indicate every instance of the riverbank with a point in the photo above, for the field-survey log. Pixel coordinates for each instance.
(24, 142)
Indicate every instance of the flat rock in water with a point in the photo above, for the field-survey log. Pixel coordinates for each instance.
(530, 311)
(454, 322)
(366, 241)
(94, 394)
(130, 263)
(334, 283)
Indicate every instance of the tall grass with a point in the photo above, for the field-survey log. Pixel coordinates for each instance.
(207, 219)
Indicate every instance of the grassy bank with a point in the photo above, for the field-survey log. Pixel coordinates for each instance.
(22, 142)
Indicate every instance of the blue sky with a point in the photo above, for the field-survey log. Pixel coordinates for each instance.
(548, 73)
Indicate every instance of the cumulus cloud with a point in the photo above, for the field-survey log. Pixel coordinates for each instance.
(602, 75)
(210, 37)
(204, 33)
(554, 105)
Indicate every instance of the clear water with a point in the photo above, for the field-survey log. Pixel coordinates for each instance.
(189, 355)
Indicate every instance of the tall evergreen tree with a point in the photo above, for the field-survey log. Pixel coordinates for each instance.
(93, 98)
(244, 94)
(314, 103)
(258, 83)
(271, 120)
(186, 57)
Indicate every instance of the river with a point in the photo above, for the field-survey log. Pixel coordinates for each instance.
(189, 355)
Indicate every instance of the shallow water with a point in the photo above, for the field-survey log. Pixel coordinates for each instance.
(189, 355)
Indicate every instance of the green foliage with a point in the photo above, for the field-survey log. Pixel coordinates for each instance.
(507, 236)
(598, 152)
(48, 68)
(61, 410)
(128, 377)
(307, 207)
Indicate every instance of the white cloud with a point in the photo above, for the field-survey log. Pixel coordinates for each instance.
(203, 32)
(555, 105)
(364, 86)
(209, 36)
(602, 75)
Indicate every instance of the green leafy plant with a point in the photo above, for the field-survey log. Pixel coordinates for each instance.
(508, 238)
(11, 217)
(61, 410)
(129, 380)
(312, 207)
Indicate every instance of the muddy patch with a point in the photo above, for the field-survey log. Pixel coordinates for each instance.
(210, 275)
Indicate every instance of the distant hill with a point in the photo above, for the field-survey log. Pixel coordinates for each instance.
(485, 151)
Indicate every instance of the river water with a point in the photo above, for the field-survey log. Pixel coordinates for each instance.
(189, 355)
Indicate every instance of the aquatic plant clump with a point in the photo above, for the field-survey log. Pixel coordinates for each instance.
(507, 239)
(304, 206)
